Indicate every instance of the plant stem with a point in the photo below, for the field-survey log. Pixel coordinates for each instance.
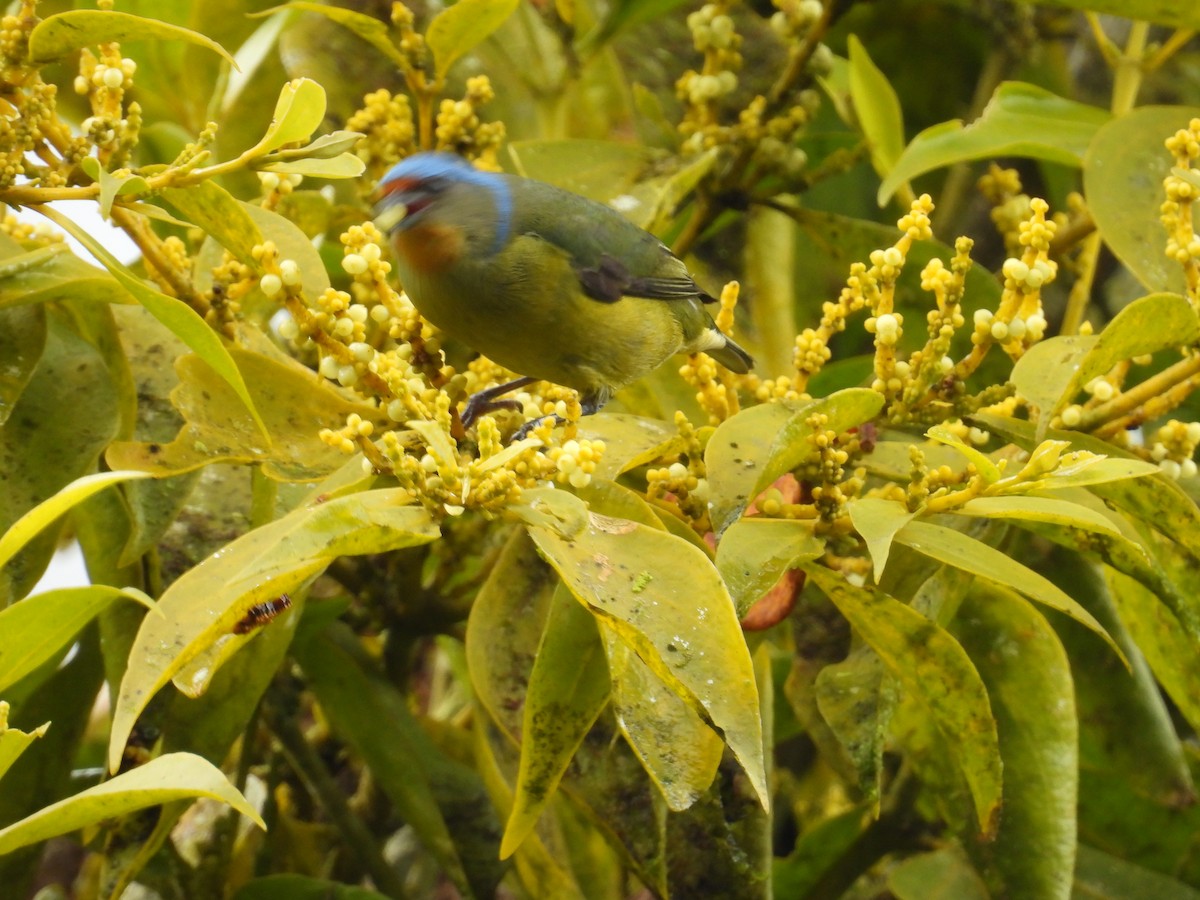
(1081, 290)
(1101, 419)
(357, 838)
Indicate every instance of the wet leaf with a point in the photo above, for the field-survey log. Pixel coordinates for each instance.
(663, 597)
(936, 672)
(206, 604)
(175, 776)
(679, 752)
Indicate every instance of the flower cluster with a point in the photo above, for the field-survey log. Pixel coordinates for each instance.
(716, 387)
(1182, 186)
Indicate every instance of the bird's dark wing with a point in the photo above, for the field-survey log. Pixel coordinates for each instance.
(610, 280)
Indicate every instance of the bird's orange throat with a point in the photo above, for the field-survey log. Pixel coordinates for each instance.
(431, 248)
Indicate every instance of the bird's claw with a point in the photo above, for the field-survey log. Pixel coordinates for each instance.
(523, 432)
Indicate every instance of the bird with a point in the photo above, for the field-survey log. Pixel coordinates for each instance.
(549, 284)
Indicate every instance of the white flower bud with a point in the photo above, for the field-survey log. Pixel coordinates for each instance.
(289, 272)
(354, 264)
(270, 284)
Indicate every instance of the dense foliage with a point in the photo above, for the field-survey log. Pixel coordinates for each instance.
(909, 611)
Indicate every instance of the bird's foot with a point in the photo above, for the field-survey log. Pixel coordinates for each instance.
(486, 401)
(523, 432)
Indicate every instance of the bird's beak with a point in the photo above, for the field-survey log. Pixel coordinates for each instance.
(390, 206)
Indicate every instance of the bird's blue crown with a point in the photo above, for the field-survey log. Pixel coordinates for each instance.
(448, 166)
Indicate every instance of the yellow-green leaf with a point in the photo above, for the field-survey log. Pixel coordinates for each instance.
(213, 209)
(987, 469)
(56, 36)
(41, 516)
(1028, 679)
(14, 742)
(299, 111)
(179, 318)
(936, 672)
(677, 749)
(1039, 509)
(174, 776)
(344, 165)
(877, 107)
(112, 186)
(457, 30)
(957, 549)
(370, 29)
(663, 597)
(1019, 120)
(206, 604)
(877, 521)
(296, 405)
(568, 687)
(754, 553)
(39, 626)
(1123, 176)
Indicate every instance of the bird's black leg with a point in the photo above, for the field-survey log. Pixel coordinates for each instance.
(588, 404)
(485, 401)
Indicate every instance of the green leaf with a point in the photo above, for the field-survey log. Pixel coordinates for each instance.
(174, 776)
(1103, 876)
(877, 107)
(568, 687)
(296, 405)
(622, 15)
(663, 597)
(205, 605)
(14, 742)
(177, 316)
(22, 340)
(112, 186)
(1020, 120)
(45, 513)
(1123, 176)
(458, 29)
(877, 521)
(935, 671)
(629, 441)
(817, 851)
(956, 549)
(1028, 679)
(1176, 13)
(302, 887)
(1168, 648)
(857, 697)
(370, 29)
(678, 750)
(1125, 727)
(738, 468)
(40, 626)
(213, 209)
(440, 798)
(754, 553)
(299, 111)
(344, 165)
(1039, 509)
(937, 875)
(1044, 371)
(1054, 371)
(56, 36)
(507, 620)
